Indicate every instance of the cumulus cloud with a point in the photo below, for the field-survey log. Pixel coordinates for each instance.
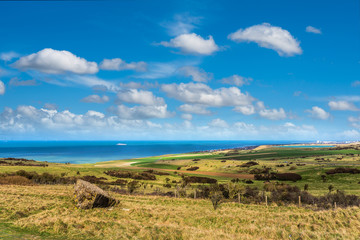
(117, 64)
(28, 119)
(199, 93)
(197, 74)
(141, 112)
(56, 62)
(2, 88)
(8, 56)
(342, 106)
(311, 29)
(17, 82)
(273, 114)
(140, 97)
(319, 113)
(194, 108)
(95, 99)
(192, 43)
(236, 80)
(268, 36)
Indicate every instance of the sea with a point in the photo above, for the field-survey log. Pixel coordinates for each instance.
(99, 151)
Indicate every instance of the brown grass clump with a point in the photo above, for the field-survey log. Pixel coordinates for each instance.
(15, 180)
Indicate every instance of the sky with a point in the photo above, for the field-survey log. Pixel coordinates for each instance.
(180, 70)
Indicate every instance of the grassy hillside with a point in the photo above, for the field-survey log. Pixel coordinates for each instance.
(49, 212)
(42, 211)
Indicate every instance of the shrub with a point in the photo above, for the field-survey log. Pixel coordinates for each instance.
(292, 168)
(45, 178)
(288, 177)
(132, 175)
(15, 180)
(167, 185)
(94, 180)
(343, 170)
(192, 169)
(157, 172)
(249, 164)
(195, 179)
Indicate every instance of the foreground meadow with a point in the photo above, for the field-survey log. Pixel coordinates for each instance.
(49, 212)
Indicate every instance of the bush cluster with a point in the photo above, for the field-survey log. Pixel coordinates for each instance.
(132, 175)
(157, 172)
(278, 176)
(192, 168)
(195, 179)
(343, 170)
(249, 164)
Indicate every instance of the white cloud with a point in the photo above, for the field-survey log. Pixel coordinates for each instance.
(218, 123)
(246, 110)
(192, 43)
(186, 116)
(118, 64)
(351, 134)
(342, 106)
(17, 82)
(197, 74)
(91, 125)
(56, 62)
(89, 81)
(95, 99)
(182, 23)
(141, 112)
(312, 29)
(268, 36)
(139, 97)
(319, 113)
(194, 108)
(2, 88)
(199, 93)
(273, 114)
(236, 80)
(8, 56)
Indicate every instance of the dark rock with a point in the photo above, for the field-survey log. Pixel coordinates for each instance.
(89, 196)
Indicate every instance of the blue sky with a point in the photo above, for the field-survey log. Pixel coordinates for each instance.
(180, 70)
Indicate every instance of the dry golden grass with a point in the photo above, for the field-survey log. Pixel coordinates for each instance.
(51, 210)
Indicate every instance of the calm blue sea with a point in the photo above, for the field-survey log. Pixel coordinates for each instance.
(97, 151)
